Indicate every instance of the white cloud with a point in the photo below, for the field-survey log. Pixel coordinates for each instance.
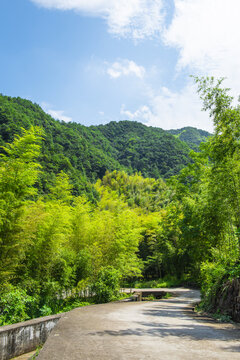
(142, 114)
(125, 68)
(59, 115)
(171, 110)
(127, 18)
(206, 32)
(56, 114)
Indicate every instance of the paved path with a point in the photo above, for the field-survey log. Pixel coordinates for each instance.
(166, 329)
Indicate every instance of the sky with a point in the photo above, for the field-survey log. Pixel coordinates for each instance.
(96, 61)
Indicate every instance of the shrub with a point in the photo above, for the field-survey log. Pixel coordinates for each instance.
(106, 287)
(45, 310)
(15, 306)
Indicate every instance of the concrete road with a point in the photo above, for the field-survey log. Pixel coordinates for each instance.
(165, 329)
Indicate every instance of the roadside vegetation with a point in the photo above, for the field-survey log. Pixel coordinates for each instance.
(61, 248)
(166, 282)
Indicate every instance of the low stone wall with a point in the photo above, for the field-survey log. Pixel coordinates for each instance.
(227, 299)
(24, 337)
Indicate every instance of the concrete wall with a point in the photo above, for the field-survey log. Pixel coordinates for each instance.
(24, 337)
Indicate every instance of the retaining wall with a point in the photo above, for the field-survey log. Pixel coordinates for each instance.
(227, 299)
(25, 337)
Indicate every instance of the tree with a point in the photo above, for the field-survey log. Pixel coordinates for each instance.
(18, 174)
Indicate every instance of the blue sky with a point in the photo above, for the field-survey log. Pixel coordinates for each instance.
(93, 61)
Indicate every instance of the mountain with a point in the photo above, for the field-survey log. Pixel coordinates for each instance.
(85, 153)
(150, 150)
(190, 135)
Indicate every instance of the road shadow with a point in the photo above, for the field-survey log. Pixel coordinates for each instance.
(233, 348)
(192, 332)
(191, 326)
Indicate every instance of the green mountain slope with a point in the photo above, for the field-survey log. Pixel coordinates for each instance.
(190, 135)
(84, 154)
(150, 150)
(87, 152)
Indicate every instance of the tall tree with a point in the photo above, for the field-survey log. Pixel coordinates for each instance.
(18, 174)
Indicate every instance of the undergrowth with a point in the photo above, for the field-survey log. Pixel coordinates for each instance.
(166, 282)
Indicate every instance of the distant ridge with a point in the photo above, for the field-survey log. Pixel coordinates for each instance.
(190, 135)
(85, 153)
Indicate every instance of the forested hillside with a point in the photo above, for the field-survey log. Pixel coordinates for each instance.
(192, 136)
(85, 153)
(150, 150)
(72, 148)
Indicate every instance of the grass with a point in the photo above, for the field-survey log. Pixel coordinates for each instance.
(221, 317)
(34, 357)
(75, 304)
(202, 309)
(123, 296)
(149, 298)
(167, 296)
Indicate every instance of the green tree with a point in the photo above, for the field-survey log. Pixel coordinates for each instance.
(19, 170)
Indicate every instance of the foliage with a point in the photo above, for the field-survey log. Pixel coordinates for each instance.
(14, 306)
(106, 287)
(75, 303)
(146, 193)
(218, 192)
(212, 275)
(167, 296)
(34, 357)
(63, 237)
(166, 282)
(151, 151)
(18, 174)
(192, 136)
(57, 242)
(86, 153)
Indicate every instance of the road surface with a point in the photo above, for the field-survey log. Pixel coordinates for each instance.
(165, 329)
